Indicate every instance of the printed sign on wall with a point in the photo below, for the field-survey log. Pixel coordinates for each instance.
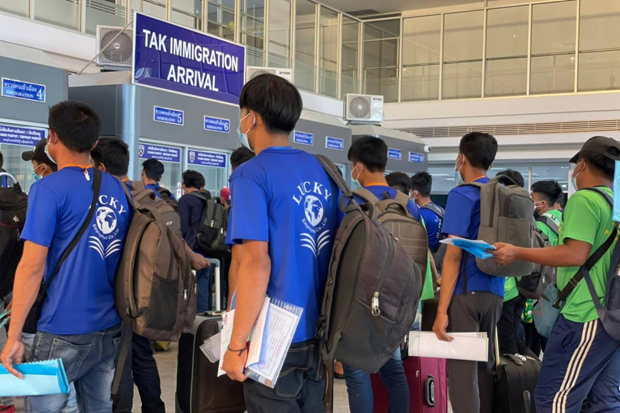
(18, 89)
(21, 136)
(395, 154)
(303, 138)
(159, 152)
(204, 158)
(336, 144)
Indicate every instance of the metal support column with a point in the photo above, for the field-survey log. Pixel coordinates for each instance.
(399, 60)
(441, 37)
(339, 59)
(529, 52)
(266, 9)
(484, 52)
(317, 49)
(577, 31)
(293, 36)
(82, 6)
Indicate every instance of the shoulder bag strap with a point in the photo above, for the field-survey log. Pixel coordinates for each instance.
(199, 195)
(91, 212)
(592, 260)
(366, 195)
(549, 222)
(334, 173)
(434, 208)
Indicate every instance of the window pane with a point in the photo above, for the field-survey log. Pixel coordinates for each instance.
(64, 13)
(19, 7)
(253, 30)
(156, 8)
(328, 63)
(599, 44)
(103, 12)
(304, 45)
(444, 178)
(507, 36)
(280, 33)
(186, 13)
(553, 48)
(551, 172)
(381, 45)
(462, 73)
(220, 21)
(524, 170)
(421, 44)
(350, 55)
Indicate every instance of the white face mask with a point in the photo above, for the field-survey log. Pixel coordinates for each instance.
(457, 168)
(47, 152)
(575, 175)
(358, 175)
(243, 137)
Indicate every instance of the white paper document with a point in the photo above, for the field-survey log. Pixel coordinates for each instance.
(464, 346)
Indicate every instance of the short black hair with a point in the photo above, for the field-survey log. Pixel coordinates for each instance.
(193, 179)
(399, 181)
(1, 160)
(369, 151)
(515, 176)
(479, 148)
(153, 169)
(240, 156)
(601, 163)
(76, 124)
(422, 182)
(275, 99)
(114, 154)
(549, 190)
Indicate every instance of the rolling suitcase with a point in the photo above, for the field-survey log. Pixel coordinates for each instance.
(515, 382)
(199, 390)
(428, 386)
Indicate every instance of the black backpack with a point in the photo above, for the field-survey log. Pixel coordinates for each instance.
(533, 286)
(13, 206)
(211, 231)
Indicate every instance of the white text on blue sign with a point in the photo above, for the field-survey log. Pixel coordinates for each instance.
(416, 157)
(16, 135)
(166, 115)
(217, 124)
(395, 154)
(18, 89)
(336, 144)
(303, 138)
(161, 153)
(201, 158)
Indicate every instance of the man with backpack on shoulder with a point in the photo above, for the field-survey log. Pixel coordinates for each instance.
(152, 171)
(470, 300)
(285, 214)
(73, 215)
(582, 357)
(191, 208)
(421, 185)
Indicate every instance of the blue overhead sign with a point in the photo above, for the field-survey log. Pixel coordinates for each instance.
(395, 154)
(166, 115)
(202, 158)
(19, 89)
(416, 157)
(334, 143)
(303, 138)
(217, 124)
(159, 152)
(18, 135)
(171, 57)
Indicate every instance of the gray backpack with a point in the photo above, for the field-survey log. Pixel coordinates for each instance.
(407, 230)
(372, 291)
(505, 216)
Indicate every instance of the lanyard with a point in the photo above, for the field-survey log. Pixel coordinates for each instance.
(82, 167)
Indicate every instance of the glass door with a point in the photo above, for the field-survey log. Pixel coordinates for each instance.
(171, 157)
(14, 140)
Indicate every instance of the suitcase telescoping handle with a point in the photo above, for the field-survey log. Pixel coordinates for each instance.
(218, 283)
(8, 175)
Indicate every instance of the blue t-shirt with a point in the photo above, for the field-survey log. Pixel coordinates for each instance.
(433, 227)
(284, 197)
(463, 220)
(380, 190)
(80, 299)
(156, 188)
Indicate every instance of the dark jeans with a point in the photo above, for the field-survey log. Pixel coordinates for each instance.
(145, 375)
(89, 363)
(299, 388)
(393, 377)
(471, 382)
(509, 328)
(204, 280)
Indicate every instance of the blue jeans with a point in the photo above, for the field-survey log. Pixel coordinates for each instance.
(89, 363)
(203, 279)
(393, 377)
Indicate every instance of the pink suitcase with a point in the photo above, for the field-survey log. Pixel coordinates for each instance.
(428, 386)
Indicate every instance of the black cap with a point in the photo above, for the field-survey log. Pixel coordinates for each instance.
(600, 145)
(38, 154)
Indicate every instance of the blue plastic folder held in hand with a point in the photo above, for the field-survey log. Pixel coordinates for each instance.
(40, 378)
(476, 248)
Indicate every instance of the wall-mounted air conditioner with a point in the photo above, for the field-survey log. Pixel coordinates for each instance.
(363, 109)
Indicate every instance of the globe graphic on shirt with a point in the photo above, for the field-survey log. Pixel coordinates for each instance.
(106, 220)
(313, 209)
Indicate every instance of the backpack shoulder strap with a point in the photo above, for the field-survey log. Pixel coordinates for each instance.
(137, 186)
(604, 194)
(199, 195)
(550, 223)
(436, 209)
(366, 195)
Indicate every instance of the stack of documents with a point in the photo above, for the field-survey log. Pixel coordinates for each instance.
(41, 377)
(476, 248)
(464, 346)
(268, 343)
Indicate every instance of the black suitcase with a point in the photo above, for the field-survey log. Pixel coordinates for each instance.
(199, 390)
(515, 382)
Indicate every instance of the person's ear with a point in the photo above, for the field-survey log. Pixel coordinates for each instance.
(102, 167)
(52, 137)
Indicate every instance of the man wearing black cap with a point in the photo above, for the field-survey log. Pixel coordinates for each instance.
(581, 359)
(42, 165)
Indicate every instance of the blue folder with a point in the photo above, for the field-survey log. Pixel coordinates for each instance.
(40, 378)
(475, 249)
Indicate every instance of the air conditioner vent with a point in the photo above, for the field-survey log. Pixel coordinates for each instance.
(117, 53)
(363, 109)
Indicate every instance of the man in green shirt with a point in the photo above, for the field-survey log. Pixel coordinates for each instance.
(581, 359)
